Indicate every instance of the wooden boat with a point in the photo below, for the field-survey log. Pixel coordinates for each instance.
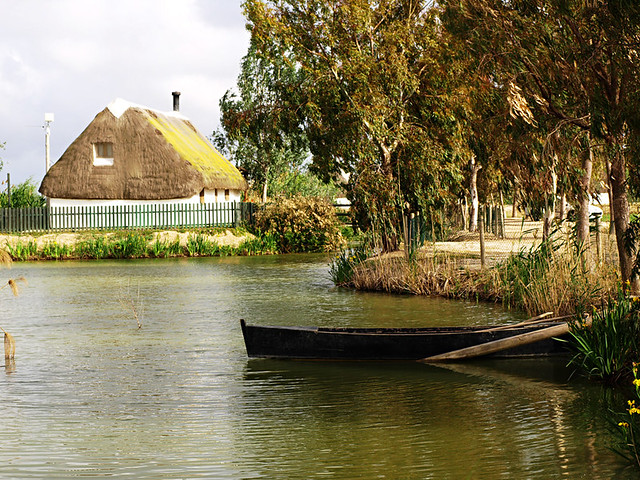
(320, 343)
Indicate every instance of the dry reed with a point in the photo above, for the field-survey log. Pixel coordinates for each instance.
(560, 279)
(9, 346)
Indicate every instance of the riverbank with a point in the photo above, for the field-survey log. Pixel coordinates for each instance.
(134, 244)
(521, 271)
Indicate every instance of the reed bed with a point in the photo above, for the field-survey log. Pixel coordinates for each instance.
(552, 276)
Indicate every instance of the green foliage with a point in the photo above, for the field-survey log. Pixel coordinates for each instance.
(139, 245)
(628, 430)
(261, 244)
(260, 130)
(344, 264)
(24, 194)
(301, 224)
(607, 347)
(304, 183)
(23, 252)
(379, 113)
(55, 251)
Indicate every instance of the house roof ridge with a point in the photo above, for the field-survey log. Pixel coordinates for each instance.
(120, 105)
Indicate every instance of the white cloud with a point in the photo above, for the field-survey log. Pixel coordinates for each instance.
(73, 57)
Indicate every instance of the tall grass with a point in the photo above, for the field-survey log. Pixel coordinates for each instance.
(553, 276)
(607, 346)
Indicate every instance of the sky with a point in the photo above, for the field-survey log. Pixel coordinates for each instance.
(74, 57)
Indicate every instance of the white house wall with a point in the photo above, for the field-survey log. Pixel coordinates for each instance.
(209, 197)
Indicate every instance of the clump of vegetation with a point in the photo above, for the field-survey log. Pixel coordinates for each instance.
(628, 429)
(552, 276)
(24, 194)
(343, 265)
(301, 224)
(141, 245)
(607, 346)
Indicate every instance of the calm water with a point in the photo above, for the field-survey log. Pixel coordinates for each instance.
(92, 395)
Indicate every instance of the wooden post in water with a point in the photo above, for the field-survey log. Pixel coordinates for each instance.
(481, 230)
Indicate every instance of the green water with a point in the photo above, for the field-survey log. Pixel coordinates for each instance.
(91, 395)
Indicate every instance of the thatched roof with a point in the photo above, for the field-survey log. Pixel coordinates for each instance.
(156, 156)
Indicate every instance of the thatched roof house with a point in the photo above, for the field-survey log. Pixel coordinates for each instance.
(130, 153)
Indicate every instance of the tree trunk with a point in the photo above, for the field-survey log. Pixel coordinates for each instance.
(618, 183)
(265, 185)
(582, 220)
(550, 207)
(473, 189)
(563, 207)
(610, 194)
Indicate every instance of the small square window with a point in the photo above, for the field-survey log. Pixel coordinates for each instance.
(226, 195)
(103, 154)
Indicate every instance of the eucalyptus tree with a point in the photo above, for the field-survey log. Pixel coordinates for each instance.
(576, 61)
(260, 132)
(372, 90)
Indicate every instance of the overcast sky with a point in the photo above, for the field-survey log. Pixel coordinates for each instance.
(73, 57)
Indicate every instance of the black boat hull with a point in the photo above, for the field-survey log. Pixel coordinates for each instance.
(313, 343)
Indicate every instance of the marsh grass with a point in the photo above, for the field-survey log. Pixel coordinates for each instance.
(606, 347)
(553, 276)
(135, 306)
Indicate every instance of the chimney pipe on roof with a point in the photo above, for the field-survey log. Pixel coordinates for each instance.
(176, 101)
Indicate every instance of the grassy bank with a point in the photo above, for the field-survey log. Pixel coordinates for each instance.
(551, 276)
(138, 244)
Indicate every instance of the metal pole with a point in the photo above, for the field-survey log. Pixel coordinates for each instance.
(48, 119)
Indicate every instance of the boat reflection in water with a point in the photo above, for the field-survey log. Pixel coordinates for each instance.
(492, 418)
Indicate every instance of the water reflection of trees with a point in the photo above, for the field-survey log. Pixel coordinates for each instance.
(512, 419)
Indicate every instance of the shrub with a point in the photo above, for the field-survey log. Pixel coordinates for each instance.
(24, 194)
(301, 224)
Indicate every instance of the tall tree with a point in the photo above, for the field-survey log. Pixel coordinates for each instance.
(371, 91)
(261, 134)
(576, 60)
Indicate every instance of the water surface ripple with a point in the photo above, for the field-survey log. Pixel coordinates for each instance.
(92, 395)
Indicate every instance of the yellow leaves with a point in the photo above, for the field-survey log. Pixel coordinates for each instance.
(518, 106)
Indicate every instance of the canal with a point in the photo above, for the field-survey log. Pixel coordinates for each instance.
(93, 395)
